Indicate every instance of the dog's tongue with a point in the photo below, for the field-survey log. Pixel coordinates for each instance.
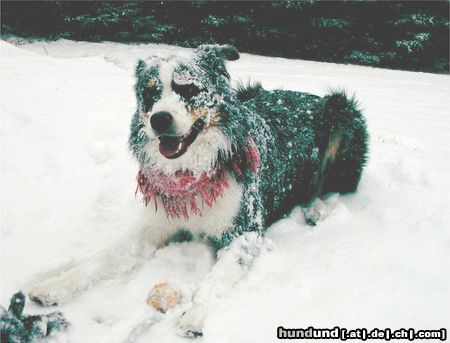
(169, 146)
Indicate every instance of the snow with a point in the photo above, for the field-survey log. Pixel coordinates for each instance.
(381, 259)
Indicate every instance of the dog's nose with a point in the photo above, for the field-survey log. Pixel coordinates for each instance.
(161, 121)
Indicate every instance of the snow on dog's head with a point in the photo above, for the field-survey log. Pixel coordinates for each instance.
(177, 125)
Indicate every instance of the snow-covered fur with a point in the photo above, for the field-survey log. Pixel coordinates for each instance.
(222, 164)
(282, 148)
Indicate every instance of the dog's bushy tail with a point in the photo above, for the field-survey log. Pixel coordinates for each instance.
(343, 144)
(248, 91)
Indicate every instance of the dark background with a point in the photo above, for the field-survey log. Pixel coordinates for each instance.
(412, 35)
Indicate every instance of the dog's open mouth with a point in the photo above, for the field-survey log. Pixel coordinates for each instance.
(174, 146)
(171, 146)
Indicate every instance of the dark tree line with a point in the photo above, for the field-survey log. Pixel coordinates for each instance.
(396, 34)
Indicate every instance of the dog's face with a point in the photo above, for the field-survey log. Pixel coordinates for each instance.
(179, 109)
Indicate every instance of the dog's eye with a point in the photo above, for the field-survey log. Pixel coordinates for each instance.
(186, 91)
(149, 97)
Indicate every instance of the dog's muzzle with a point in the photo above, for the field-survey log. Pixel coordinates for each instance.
(174, 146)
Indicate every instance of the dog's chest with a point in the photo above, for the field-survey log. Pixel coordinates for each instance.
(212, 221)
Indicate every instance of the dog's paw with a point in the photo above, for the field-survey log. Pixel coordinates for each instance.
(163, 297)
(52, 291)
(318, 211)
(191, 322)
(43, 296)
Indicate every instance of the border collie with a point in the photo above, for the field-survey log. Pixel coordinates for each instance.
(222, 164)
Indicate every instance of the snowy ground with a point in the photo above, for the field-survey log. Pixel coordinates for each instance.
(381, 259)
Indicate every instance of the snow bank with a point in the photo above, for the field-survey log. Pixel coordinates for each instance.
(67, 189)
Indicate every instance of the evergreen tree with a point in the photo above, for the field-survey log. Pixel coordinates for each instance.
(401, 34)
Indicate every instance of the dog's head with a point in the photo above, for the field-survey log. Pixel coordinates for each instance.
(181, 107)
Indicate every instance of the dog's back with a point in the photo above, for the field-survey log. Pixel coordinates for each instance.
(316, 146)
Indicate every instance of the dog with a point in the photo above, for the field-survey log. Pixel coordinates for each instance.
(222, 164)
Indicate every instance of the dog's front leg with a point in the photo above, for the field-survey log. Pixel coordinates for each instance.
(123, 256)
(232, 265)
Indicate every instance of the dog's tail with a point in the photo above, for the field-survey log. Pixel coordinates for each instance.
(343, 144)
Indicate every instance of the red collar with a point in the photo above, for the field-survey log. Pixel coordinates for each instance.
(180, 192)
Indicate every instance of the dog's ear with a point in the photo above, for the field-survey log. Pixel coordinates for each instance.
(140, 67)
(232, 54)
(212, 56)
(216, 51)
(228, 52)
